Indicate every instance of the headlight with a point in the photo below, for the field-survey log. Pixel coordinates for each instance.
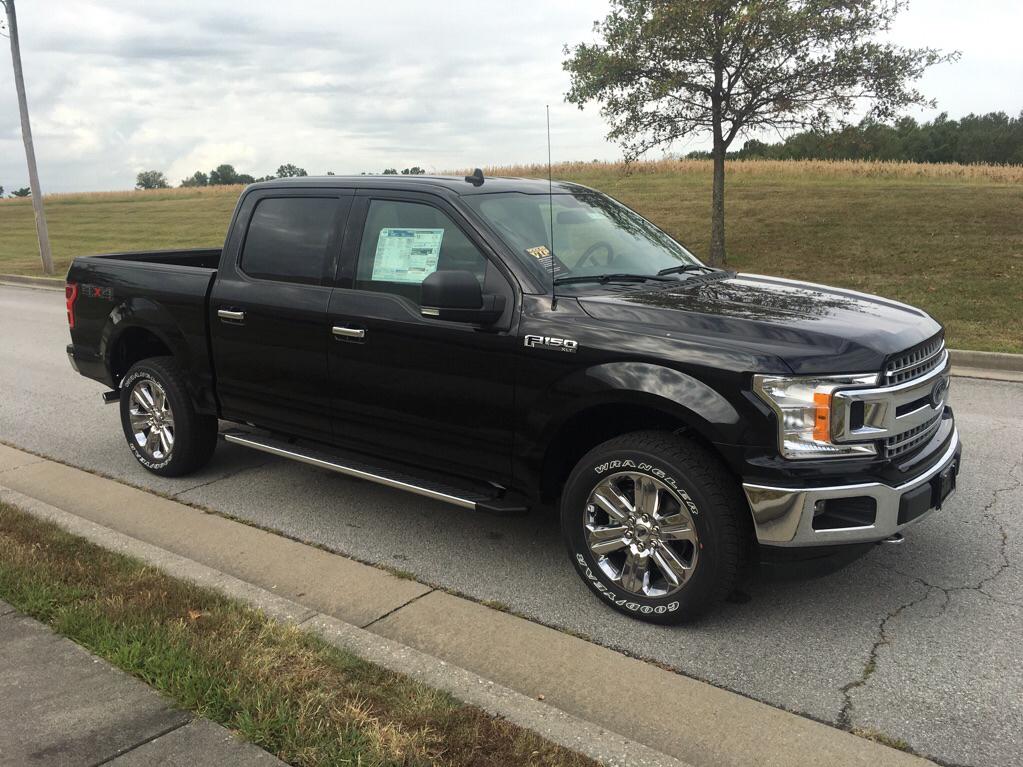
(803, 407)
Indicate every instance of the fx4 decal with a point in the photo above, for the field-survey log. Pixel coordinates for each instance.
(96, 291)
(552, 342)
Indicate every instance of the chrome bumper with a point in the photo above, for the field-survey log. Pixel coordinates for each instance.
(783, 516)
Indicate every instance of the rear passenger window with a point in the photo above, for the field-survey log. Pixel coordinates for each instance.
(403, 243)
(287, 238)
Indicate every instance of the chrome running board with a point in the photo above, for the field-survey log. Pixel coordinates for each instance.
(353, 467)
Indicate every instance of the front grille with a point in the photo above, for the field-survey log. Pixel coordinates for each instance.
(910, 440)
(916, 362)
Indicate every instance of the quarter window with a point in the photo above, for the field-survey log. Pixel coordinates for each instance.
(403, 243)
(288, 238)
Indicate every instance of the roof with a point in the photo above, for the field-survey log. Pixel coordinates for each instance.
(456, 184)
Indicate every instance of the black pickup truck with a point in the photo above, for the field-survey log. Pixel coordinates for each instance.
(501, 344)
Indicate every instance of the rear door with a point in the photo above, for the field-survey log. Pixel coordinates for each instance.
(268, 310)
(411, 388)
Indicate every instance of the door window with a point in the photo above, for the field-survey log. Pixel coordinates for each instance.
(403, 243)
(288, 237)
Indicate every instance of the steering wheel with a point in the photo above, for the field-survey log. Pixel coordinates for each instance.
(590, 251)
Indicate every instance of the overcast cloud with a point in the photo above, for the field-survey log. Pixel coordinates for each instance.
(116, 87)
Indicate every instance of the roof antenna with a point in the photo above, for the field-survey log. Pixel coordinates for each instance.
(476, 179)
(550, 200)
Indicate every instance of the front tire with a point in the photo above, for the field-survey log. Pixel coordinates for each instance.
(655, 526)
(164, 432)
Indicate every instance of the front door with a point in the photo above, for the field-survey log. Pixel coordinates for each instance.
(268, 310)
(406, 387)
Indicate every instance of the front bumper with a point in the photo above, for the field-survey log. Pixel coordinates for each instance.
(785, 516)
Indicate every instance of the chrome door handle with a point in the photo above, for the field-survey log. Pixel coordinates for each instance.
(340, 331)
(230, 315)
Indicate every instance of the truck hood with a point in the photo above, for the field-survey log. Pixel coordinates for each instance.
(814, 329)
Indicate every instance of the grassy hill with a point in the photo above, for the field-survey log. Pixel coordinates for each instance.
(947, 238)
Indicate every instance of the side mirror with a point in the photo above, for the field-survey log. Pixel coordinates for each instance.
(456, 295)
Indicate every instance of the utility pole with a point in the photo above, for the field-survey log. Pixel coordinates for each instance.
(26, 133)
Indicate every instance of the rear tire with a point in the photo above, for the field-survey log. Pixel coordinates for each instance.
(164, 432)
(656, 526)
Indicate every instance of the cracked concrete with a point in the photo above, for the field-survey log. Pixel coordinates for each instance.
(918, 642)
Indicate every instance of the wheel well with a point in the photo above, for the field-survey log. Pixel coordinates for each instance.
(132, 345)
(589, 428)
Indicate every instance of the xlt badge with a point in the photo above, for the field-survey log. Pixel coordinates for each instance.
(552, 342)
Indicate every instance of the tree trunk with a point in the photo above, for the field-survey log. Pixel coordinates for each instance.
(717, 213)
(26, 133)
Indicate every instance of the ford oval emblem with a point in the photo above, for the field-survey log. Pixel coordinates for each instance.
(938, 392)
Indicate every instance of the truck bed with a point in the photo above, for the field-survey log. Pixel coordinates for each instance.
(164, 291)
(204, 258)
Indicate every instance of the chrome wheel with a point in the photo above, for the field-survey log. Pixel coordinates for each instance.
(641, 534)
(152, 422)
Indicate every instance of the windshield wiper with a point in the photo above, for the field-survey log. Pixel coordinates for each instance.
(604, 278)
(685, 268)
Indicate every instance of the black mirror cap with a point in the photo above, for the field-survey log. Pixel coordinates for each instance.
(452, 289)
(456, 295)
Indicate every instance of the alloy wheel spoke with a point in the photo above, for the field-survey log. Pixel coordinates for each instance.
(152, 442)
(647, 496)
(140, 399)
(672, 568)
(165, 440)
(160, 401)
(633, 576)
(139, 421)
(604, 540)
(682, 531)
(613, 502)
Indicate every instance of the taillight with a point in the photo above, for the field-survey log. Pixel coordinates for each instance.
(70, 294)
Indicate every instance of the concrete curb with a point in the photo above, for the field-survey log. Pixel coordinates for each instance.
(53, 283)
(986, 360)
(555, 725)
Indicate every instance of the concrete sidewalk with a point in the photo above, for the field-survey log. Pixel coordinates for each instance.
(496, 660)
(59, 705)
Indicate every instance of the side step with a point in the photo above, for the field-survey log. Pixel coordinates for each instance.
(389, 477)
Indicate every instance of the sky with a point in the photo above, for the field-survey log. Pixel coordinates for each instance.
(116, 87)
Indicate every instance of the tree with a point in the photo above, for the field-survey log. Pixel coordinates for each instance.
(151, 179)
(196, 179)
(23, 192)
(390, 172)
(1, 191)
(224, 175)
(290, 171)
(415, 170)
(42, 232)
(664, 70)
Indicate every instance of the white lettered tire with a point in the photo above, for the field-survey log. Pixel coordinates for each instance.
(163, 430)
(655, 526)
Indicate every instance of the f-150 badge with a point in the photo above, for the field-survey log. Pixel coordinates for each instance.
(551, 342)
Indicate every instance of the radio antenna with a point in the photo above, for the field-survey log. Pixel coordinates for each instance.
(550, 199)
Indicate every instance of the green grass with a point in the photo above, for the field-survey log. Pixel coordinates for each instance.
(286, 691)
(946, 238)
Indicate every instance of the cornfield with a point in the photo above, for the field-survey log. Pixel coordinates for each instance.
(1008, 174)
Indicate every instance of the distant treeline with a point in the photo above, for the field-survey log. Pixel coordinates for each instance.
(994, 138)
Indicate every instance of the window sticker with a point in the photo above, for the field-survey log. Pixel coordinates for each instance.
(550, 263)
(406, 255)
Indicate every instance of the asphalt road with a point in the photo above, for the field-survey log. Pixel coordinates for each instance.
(919, 642)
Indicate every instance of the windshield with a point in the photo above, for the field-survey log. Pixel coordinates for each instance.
(593, 235)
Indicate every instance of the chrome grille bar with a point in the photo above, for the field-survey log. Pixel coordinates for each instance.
(915, 362)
